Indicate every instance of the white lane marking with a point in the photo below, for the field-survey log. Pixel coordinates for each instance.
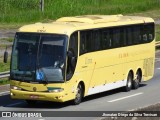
(6, 92)
(15, 104)
(125, 97)
(158, 68)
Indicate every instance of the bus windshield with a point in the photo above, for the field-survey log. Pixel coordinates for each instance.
(38, 57)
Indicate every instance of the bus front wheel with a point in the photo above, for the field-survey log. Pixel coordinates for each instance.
(79, 95)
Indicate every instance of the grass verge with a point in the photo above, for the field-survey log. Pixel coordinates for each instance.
(4, 66)
(4, 81)
(25, 11)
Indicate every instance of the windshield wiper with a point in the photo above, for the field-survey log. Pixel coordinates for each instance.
(37, 63)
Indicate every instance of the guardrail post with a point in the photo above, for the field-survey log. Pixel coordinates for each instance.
(41, 5)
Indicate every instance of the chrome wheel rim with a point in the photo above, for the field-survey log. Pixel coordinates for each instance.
(129, 82)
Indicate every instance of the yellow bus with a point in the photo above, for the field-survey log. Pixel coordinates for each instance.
(74, 57)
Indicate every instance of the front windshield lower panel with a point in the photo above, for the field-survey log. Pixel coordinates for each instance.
(38, 57)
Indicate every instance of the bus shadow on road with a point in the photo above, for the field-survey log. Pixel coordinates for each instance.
(56, 105)
(39, 104)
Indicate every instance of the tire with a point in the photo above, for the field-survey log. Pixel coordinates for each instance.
(128, 86)
(136, 82)
(79, 95)
(31, 102)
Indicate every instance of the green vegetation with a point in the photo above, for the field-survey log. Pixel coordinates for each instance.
(4, 81)
(157, 32)
(4, 66)
(9, 39)
(27, 11)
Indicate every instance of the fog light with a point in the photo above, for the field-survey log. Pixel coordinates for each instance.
(15, 87)
(56, 90)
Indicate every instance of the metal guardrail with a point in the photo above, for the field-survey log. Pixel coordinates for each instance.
(6, 73)
(157, 44)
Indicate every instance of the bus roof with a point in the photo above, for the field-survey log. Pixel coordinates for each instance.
(67, 25)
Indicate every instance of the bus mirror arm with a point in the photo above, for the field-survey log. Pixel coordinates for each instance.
(70, 54)
(72, 58)
(73, 62)
(5, 55)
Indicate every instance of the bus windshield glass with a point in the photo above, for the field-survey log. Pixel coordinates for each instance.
(38, 57)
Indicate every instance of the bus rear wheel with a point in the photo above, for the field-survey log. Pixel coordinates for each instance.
(128, 86)
(136, 82)
(79, 95)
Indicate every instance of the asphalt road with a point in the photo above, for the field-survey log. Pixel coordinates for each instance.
(115, 100)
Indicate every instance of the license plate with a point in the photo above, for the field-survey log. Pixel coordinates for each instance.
(34, 96)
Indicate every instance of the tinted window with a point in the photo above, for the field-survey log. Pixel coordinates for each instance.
(96, 40)
(107, 38)
(116, 37)
(73, 43)
(148, 32)
(123, 33)
(72, 60)
(86, 42)
(136, 34)
(129, 35)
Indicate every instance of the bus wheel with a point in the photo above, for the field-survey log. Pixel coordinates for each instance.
(31, 102)
(136, 82)
(79, 95)
(128, 86)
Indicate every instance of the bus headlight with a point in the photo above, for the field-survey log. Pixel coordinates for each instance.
(15, 87)
(56, 90)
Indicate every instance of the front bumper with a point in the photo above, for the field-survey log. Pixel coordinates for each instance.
(42, 96)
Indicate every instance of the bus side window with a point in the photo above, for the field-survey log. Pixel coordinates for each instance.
(95, 43)
(86, 43)
(123, 33)
(148, 32)
(129, 35)
(89, 42)
(73, 43)
(82, 43)
(72, 60)
(105, 39)
(144, 38)
(116, 37)
(150, 28)
(136, 34)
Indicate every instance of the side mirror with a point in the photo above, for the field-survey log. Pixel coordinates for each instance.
(73, 62)
(5, 56)
(70, 54)
(72, 58)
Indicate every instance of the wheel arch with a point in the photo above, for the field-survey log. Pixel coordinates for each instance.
(132, 73)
